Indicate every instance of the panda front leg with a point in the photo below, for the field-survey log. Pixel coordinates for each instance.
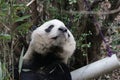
(27, 58)
(28, 55)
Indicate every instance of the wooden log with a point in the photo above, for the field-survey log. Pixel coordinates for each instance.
(97, 68)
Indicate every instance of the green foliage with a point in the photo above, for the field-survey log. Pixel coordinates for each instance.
(81, 39)
(3, 11)
(23, 28)
(4, 75)
(82, 44)
(22, 18)
(77, 17)
(72, 1)
(5, 37)
(53, 11)
(11, 13)
(115, 42)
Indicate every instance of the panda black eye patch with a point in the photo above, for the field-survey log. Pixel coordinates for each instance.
(49, 28)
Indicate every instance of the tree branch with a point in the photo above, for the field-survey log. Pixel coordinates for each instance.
(110, 18)
(94, 12)
(34, 12)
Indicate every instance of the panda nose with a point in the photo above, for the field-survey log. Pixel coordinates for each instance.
(63, 29)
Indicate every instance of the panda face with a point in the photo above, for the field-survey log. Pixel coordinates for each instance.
(57, 30)
(52, 35)
(60, 32)
(54, 31)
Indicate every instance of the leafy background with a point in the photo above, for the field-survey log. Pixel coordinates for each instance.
(17, 21)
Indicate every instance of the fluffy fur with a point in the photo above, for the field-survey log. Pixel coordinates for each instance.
(50, 42)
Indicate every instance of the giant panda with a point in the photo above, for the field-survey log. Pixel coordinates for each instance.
(51, 45)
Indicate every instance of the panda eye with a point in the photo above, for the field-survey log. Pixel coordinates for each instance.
(49, 28)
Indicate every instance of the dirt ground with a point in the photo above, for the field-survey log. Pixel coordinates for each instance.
(114, 75)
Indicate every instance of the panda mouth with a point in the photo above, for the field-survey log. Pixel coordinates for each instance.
(54, 37)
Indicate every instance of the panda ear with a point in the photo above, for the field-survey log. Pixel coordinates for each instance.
(49, 28)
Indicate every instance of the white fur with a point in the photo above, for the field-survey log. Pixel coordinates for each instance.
(42, 41)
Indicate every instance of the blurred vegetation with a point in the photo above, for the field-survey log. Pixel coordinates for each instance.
(18, 20)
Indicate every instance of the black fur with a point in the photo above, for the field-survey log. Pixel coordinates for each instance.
(63, 29)
(46, 67)
(54, 71)
(39, 60)
(55, 37)
(49, 28)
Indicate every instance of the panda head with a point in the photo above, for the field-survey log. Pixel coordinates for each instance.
(52, 33)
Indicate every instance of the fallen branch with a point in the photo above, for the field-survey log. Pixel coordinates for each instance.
(94, 12)
(97, 68)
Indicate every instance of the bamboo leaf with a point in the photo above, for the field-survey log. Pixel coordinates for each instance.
(22, 18)
(21, 60)
(5, 36)
(0, 71)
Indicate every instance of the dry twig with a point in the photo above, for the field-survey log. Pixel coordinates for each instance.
(30, 2)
